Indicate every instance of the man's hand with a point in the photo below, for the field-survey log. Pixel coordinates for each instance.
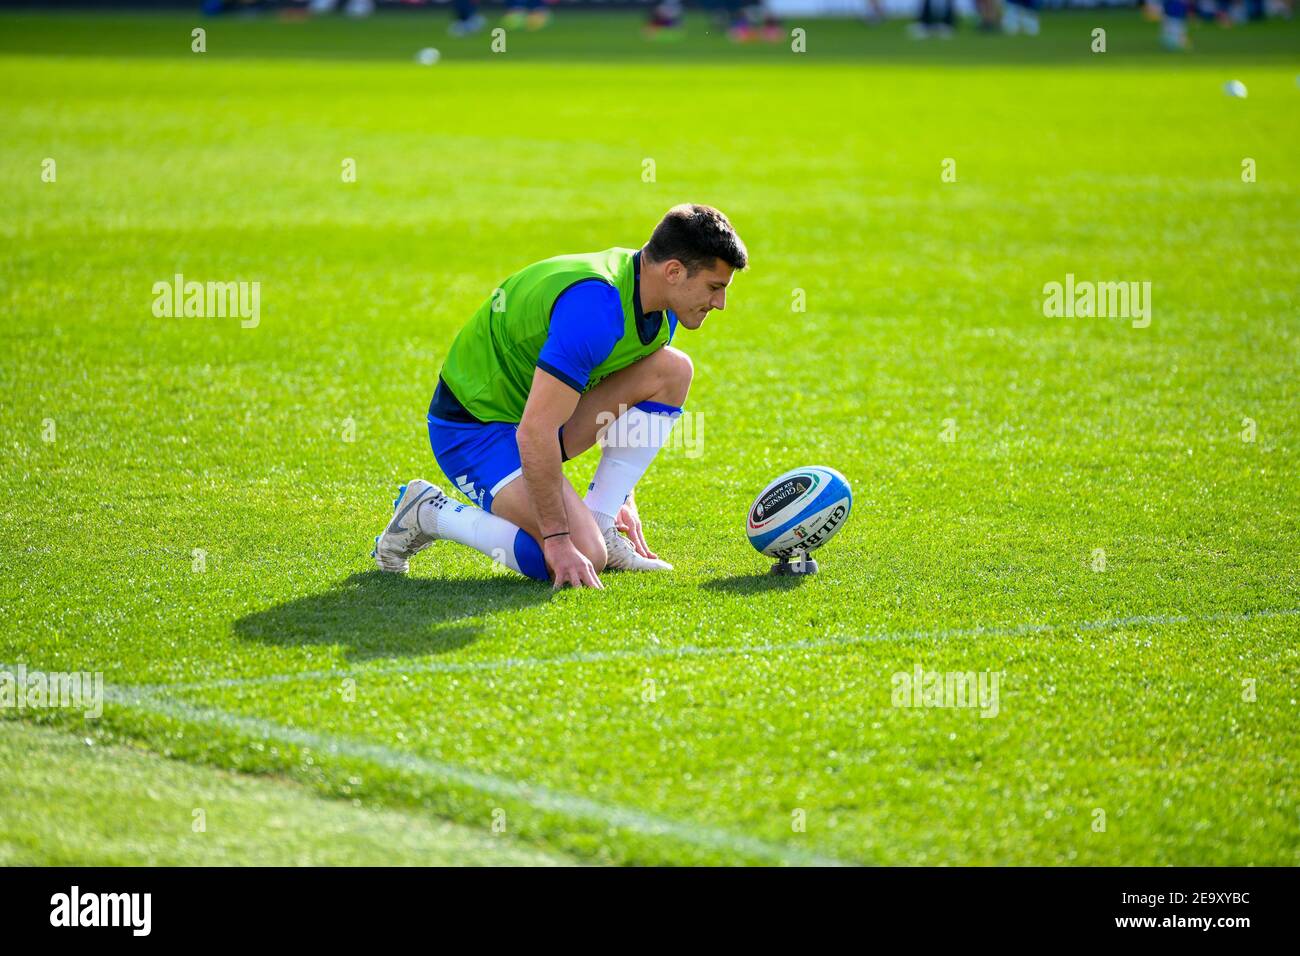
(569, 565)
(629, 522)
(550, 403)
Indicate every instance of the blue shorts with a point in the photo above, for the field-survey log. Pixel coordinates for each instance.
(479, 458)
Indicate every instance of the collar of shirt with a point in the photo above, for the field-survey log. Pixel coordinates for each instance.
(647, 323)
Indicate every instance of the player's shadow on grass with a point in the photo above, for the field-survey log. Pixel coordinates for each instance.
(755, 583)
(373, 614)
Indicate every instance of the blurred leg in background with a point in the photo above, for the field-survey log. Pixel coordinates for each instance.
(1173, 29)
(935, 19)
(1020, 16)
(468, 19)
(665, 21)
(990, 15)
(768, 22)
(353, 8)
(738, 26)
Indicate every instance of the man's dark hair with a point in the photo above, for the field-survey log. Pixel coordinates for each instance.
(696, 235)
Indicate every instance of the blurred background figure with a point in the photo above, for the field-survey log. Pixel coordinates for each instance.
(353, 8)
(935, 19)
(752, 21)
(875, 12)
(665, 21)
(1173, 28)
(1020, 16)
(467, 19)
(1219, 11)
(990, 15)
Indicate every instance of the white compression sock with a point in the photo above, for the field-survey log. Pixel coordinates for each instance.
(484, 532)
(627, 448)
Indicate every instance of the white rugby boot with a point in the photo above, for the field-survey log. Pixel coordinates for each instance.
(403, 538)
(623, 557)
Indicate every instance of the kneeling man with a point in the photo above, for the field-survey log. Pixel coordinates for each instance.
(565, 346)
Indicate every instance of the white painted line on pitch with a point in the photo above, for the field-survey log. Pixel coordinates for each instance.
(695, 650)
(538, 797)
(144, 698)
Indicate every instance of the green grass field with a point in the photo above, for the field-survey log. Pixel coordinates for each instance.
(318, 710)
(70, 802)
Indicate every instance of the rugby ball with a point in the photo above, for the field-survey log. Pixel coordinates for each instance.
(799, 511)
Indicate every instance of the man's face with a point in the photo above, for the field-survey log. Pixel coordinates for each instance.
(692, 297)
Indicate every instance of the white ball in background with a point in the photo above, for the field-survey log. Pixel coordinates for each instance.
(1235, 88)
(428, 56)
